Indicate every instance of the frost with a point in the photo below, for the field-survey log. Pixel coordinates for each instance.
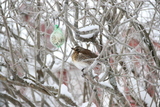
(28, 81)
(142, 93)
(58, 54)
(88, 28)
(86, 105)
(101, 75)
(25, 45)
(106, 83)
(146, 13)
(120, 87)
(49, 59)
(2, 74)
(87, 36)
(64, 91)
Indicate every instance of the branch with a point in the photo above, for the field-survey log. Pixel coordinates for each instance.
(25, 99)
(148, 42)
(116, 93)
(11, 99)
(8, 36)
(92, 39)
(77, 31)
(4, 49)
(144, 35)
(37, 86)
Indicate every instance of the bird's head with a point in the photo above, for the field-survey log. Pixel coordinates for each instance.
(77, 48)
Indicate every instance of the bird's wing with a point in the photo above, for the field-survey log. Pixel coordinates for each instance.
(85, 58)
(88, 53)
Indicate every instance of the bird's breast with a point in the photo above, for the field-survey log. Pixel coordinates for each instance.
(80, 64)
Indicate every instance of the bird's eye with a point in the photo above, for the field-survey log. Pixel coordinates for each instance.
(77, 49)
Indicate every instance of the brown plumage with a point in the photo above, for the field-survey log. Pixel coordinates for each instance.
(82, 57)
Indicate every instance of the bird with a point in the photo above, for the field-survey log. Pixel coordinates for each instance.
(82, 57)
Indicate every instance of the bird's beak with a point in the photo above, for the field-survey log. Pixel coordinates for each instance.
(73, 48)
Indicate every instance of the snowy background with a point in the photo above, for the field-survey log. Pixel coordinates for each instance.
(125, 34)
